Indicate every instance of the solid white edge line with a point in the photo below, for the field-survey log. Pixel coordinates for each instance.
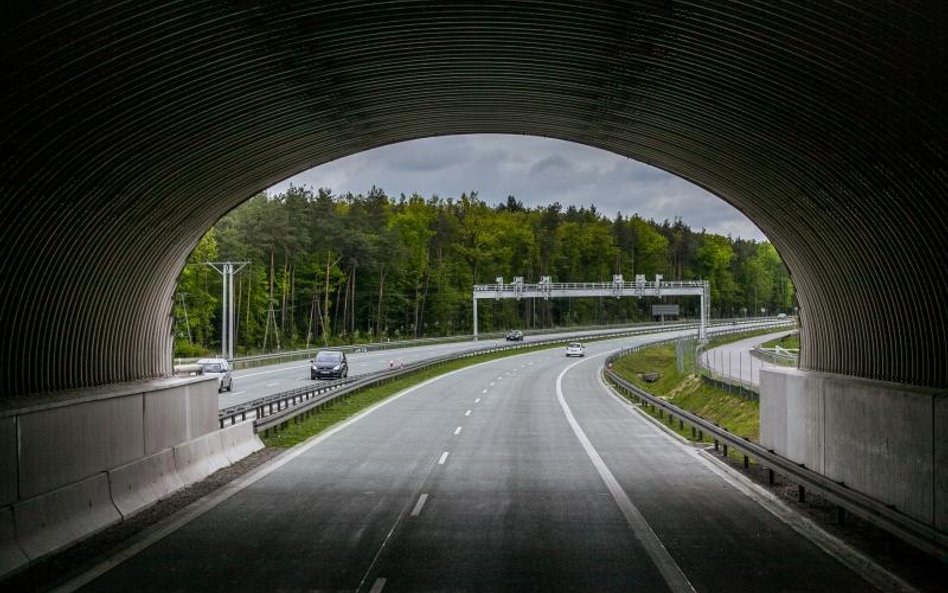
(377, 586)
(197, 508)
(669, 569)
(418, 505)
(444, 457)
(874, 573)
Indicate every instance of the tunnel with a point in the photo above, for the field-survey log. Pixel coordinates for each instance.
(128, 129)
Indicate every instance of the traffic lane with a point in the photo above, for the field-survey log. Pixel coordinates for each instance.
(250, 384)
(516, 505)
(722, 539)
(736, 361)
(317, 522)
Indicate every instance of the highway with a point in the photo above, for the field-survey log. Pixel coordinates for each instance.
(521, 474)
(250, 384)
(735, 362)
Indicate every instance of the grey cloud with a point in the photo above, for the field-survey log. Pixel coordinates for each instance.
(538, 171)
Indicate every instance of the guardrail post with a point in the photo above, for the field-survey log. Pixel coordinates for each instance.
(770, 476)
(801, 493)
(746, 462)
(840, 515)
(724, 450)
(716, 444)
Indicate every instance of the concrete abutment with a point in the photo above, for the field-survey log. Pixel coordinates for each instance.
(72, 464)
(886, 440)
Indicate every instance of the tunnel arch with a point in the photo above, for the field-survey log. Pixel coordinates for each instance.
(129, 129)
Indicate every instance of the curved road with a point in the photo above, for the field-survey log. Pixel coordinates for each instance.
(250, 384)
(521, 474)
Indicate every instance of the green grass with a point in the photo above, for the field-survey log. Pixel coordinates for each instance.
(687, 391)
(308, 425)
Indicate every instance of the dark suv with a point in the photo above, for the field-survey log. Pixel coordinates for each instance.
(329, 364)
(515, 335)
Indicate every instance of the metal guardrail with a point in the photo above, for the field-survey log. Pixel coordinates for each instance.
(273, 410)
(883, 516)
(285, 405)
(257, 360)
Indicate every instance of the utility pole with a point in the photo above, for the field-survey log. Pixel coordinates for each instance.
(182, 296)
(227, 272)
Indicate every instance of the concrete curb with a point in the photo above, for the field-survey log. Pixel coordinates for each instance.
(198, 458)
(143, 482)
(11, 555)
(51, 521)
(239, 441)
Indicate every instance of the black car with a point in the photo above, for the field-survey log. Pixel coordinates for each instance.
(329, 364)
(515, 336)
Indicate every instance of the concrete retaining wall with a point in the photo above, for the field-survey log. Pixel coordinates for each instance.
(886, 440)
(74, 463)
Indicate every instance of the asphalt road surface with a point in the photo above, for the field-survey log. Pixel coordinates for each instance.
(521, 474)
(250, 384)
(735, 361)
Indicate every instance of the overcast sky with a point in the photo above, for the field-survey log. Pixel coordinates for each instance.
(538, 171)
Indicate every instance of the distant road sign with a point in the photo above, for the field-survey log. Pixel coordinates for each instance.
(666, 310)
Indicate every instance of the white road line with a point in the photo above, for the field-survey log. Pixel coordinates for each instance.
(444, 457)
(457, 430)
(477, 401)
(468, 413)
(671, 572)
(271, 384)
(417, 510)
(377, 586)
(483, 391)
(235, 392)
(491, 383)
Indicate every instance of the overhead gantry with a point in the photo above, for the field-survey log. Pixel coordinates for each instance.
(618, 288)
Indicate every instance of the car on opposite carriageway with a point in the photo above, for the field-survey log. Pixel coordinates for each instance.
(329, 364)
(220, 368)
(514, 335)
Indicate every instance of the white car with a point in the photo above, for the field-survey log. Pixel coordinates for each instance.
(220, 368)
(575, 349)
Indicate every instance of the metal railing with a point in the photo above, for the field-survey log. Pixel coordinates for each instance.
(883, 516)
(258, 360)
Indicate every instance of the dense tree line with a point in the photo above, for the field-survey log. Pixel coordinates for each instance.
(346, 268)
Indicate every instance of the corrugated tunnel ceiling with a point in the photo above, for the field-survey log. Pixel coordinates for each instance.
(129, 128)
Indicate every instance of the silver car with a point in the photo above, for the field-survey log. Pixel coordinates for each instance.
(220, 368)
(575, 349)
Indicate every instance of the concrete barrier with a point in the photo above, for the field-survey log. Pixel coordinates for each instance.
(51, 521)
(239, 441)
(143, 482)
(199, 458)
(11, 555)
(883, 439)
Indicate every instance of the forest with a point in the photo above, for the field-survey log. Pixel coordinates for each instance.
(335, 269)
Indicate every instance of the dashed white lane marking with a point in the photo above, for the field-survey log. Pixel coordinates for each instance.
(457, 430)
(483, 391)
(491, 383)
(468, 413)
(417, 510)
(377, 586)
(444, 457)
(271, 384)
(671, 572)
(477, 401)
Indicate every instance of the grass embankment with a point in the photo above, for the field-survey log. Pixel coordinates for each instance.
(307, 425)
(687, 391)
